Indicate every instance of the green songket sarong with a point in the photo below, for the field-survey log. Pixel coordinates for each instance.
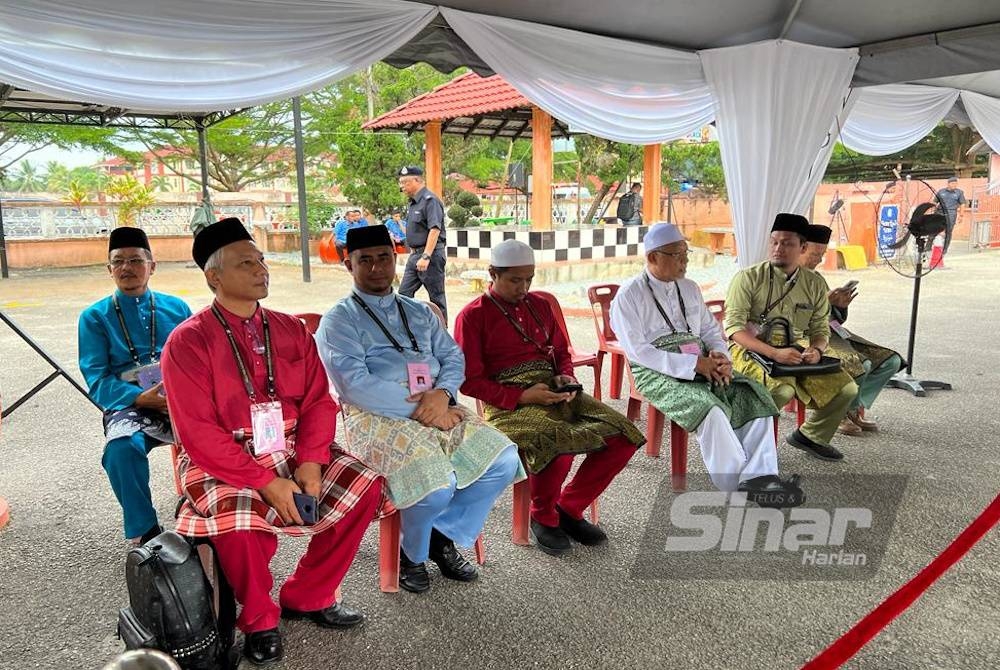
(543, 432)
(687, 402)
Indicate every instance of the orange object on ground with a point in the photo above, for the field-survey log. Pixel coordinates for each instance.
(328, 252)
(937, 257)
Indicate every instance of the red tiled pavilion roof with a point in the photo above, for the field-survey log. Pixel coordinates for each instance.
(467, 105)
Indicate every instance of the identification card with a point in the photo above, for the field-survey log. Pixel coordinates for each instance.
(419, 375)
(839, 329)
(691, 348)
(268, 426)
(149, 376)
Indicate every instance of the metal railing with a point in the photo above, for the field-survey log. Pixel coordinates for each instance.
(60, 221)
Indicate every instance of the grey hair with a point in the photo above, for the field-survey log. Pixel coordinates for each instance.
(214, 262)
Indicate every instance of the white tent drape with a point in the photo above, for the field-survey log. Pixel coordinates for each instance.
(984, 112)
(612, 88)
(807, 190)
(776, 102)
(887, 119)
(196, 56)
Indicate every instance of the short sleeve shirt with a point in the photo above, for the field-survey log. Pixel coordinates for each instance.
(425, 211)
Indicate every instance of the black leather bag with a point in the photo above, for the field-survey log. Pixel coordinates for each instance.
(170, 605)
(827, 364)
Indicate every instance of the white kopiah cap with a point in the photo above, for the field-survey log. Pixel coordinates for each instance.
(660, 234)
(511, 254)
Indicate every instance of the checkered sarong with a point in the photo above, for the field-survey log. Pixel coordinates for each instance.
(213, 507)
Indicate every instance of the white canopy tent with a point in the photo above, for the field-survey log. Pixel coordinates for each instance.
(780, 77)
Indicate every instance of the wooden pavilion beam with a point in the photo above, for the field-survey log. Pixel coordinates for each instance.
(432, 157)
(541, 170)
(652, 161)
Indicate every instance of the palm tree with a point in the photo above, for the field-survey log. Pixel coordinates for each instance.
(57, 177)
(161, 183)
(27, 178)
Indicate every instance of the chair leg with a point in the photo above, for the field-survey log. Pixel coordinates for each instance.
(595, 511)
(388, 554)
(654, 431)
(617, 373)
(522, 512)
(480, 550)
(800, 412)
(678, 457)
(632, 409)
(597, 376)
(776, 429)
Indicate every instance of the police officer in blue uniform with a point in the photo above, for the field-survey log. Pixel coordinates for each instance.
(425, 237)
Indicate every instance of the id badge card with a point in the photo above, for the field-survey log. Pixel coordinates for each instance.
(419, 376)
(690, 348)
(268, 426)
(149, 376)
(839, 329)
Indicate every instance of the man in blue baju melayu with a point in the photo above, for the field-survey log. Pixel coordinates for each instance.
(397, 372)
(120, 340)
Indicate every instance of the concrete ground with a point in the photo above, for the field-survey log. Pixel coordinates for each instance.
(61, 558)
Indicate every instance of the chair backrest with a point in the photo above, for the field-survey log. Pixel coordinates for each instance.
(558, 313)
(438, 313)
(311, 321)
(718, 309)
(600, 296)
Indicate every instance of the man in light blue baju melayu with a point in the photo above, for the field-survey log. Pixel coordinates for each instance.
(120, 340)
(397, 371)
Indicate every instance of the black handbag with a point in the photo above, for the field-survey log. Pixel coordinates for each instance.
(827, 364)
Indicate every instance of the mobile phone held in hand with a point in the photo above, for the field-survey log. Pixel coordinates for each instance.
(851, 285)
(308, 508)
(569, 388)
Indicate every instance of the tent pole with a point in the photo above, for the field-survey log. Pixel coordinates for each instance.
(3, 244)
(203, 159)
(300, 181)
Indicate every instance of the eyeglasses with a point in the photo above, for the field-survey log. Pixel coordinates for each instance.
(119, 263)
(675, 254)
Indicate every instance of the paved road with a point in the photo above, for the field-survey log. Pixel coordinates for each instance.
(61, 559)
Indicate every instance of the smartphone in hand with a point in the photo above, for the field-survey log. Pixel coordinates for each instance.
(308, 508)
(851, 285)
(569, 388)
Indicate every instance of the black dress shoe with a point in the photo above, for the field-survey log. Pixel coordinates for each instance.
(413, 577)
(772, 491)
(336, 615)
(553, 540)
(263, 647)
(150, 534)
(815, 449)
(451, 562)
(581, 530)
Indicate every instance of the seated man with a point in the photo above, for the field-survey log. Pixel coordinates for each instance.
(120, 337)
(518, 364)
(777, 291)
(397, 231)
(870, 365)
(397, 371)
(680, 364)
(352, 219)
(254, 416)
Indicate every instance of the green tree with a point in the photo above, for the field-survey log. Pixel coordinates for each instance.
(27, 178)
(699, 164)
(132, 196)
(609, 161)
(941, 154)
(367, 165)
(18, 140)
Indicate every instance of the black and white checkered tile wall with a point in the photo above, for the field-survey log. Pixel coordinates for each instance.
(552, 245)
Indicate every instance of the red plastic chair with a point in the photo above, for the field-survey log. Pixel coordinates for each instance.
(655, 420)
(580, 359)
(311, 321)
(717, 309)
(600, 297)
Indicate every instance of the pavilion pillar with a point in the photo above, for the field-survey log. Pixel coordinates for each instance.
(652, 163)
(432, 158)
(541, 169)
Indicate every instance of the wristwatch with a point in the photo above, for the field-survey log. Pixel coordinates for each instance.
(451, 399)
(425, 256)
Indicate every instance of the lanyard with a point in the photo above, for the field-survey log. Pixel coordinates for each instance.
(128, 338)
(663, 313)
(241, 364)
(402, 317)
(770, 287)
(548, 350)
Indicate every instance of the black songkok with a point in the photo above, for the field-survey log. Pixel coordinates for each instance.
(128, 237)
(368, 236)
(212, 238)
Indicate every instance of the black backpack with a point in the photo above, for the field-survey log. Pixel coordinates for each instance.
(170, 606)
(625, 206)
